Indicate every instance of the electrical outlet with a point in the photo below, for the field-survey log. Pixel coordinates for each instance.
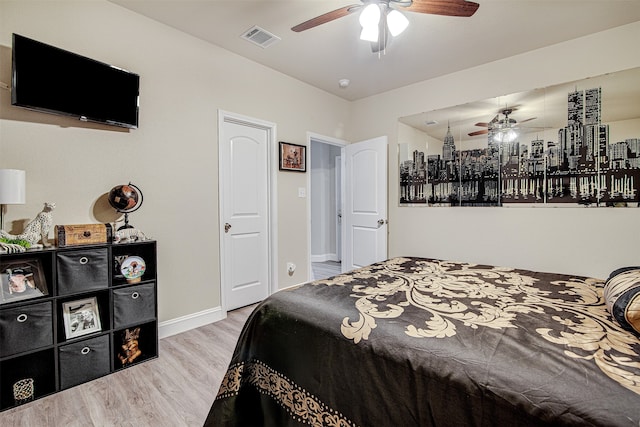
(302, 192)
(291, 268)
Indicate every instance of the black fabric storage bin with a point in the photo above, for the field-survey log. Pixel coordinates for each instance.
(84, 360)
(82, 270)
(26, 328)
(133, 304)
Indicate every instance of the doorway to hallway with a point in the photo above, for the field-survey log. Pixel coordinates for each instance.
(325, 206)
(360, 208)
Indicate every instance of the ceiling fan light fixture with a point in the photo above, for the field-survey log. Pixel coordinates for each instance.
(505, 135)
(370, 20)
(396, 22)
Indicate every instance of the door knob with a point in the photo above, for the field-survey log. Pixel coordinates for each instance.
(382, 222)
(227, 227)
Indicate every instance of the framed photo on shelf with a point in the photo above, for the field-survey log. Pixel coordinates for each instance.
(81, 317)
(21, 280)
(293, 157)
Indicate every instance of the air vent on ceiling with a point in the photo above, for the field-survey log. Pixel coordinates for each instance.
(260, 36)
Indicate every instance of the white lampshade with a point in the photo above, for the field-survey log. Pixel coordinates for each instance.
(396, 22)
(12, 187)
(370, 34)
(370, 20)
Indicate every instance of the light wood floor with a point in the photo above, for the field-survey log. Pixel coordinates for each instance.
(175, 390)
(324, 270)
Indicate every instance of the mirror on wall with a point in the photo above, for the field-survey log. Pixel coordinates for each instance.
(571, 144)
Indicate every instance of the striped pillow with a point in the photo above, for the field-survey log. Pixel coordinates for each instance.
(622, 296)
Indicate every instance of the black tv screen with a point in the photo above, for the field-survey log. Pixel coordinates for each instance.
(49, 79)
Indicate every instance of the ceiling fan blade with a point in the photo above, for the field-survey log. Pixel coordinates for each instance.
(489, 125)
(443, 7)
(528, 120)
(327, 17)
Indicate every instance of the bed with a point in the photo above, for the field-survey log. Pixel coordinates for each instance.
(425, 342)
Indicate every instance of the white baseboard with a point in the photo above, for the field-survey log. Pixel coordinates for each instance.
(318, 258)
(190, 321)
(324, 257)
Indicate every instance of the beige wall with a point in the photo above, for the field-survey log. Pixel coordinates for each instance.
(580, 241)
(173, 156)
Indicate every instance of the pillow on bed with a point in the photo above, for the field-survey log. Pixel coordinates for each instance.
(622, 296)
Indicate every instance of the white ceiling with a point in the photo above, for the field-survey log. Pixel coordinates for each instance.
(431, 46)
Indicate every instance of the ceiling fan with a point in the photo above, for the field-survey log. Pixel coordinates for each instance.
(503, 130)
(375, 29)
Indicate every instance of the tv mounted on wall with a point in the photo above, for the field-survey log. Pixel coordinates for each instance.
(52, 80)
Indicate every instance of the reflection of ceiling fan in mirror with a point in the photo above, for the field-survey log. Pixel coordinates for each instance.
(503, 129)
(376, 30)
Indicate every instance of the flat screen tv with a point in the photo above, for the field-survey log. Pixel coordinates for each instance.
(49, 79)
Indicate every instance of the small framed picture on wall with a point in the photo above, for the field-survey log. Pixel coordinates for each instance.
(293, 157)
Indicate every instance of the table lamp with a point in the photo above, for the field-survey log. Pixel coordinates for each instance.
(12, 190)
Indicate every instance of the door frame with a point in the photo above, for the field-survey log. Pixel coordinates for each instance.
(272, 198)
(339, 165)
(315, 137)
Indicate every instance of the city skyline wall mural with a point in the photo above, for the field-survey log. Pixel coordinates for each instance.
(572, 144)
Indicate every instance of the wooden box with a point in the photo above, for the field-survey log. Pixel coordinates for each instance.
(83, 234)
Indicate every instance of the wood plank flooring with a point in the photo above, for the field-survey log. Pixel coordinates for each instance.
(175, 390)
(324, 270)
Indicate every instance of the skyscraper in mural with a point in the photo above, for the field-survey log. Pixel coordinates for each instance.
(449, 146)
(575, 108)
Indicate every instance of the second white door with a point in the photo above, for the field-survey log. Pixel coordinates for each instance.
(365, 206)
(244, 198)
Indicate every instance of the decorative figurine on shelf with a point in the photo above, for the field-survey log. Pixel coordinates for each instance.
(130, 350)
(133, 268)
(125, 199)
(127, 235)
(37, 229)
(11, 246)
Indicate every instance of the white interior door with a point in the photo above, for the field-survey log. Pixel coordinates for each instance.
(365, 203)
(244, 199)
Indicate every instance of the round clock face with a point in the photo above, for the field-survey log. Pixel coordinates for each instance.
(133, 268)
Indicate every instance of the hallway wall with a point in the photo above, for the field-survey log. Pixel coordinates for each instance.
(323, 202)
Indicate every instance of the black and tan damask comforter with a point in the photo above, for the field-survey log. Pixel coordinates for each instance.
(417, 342)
